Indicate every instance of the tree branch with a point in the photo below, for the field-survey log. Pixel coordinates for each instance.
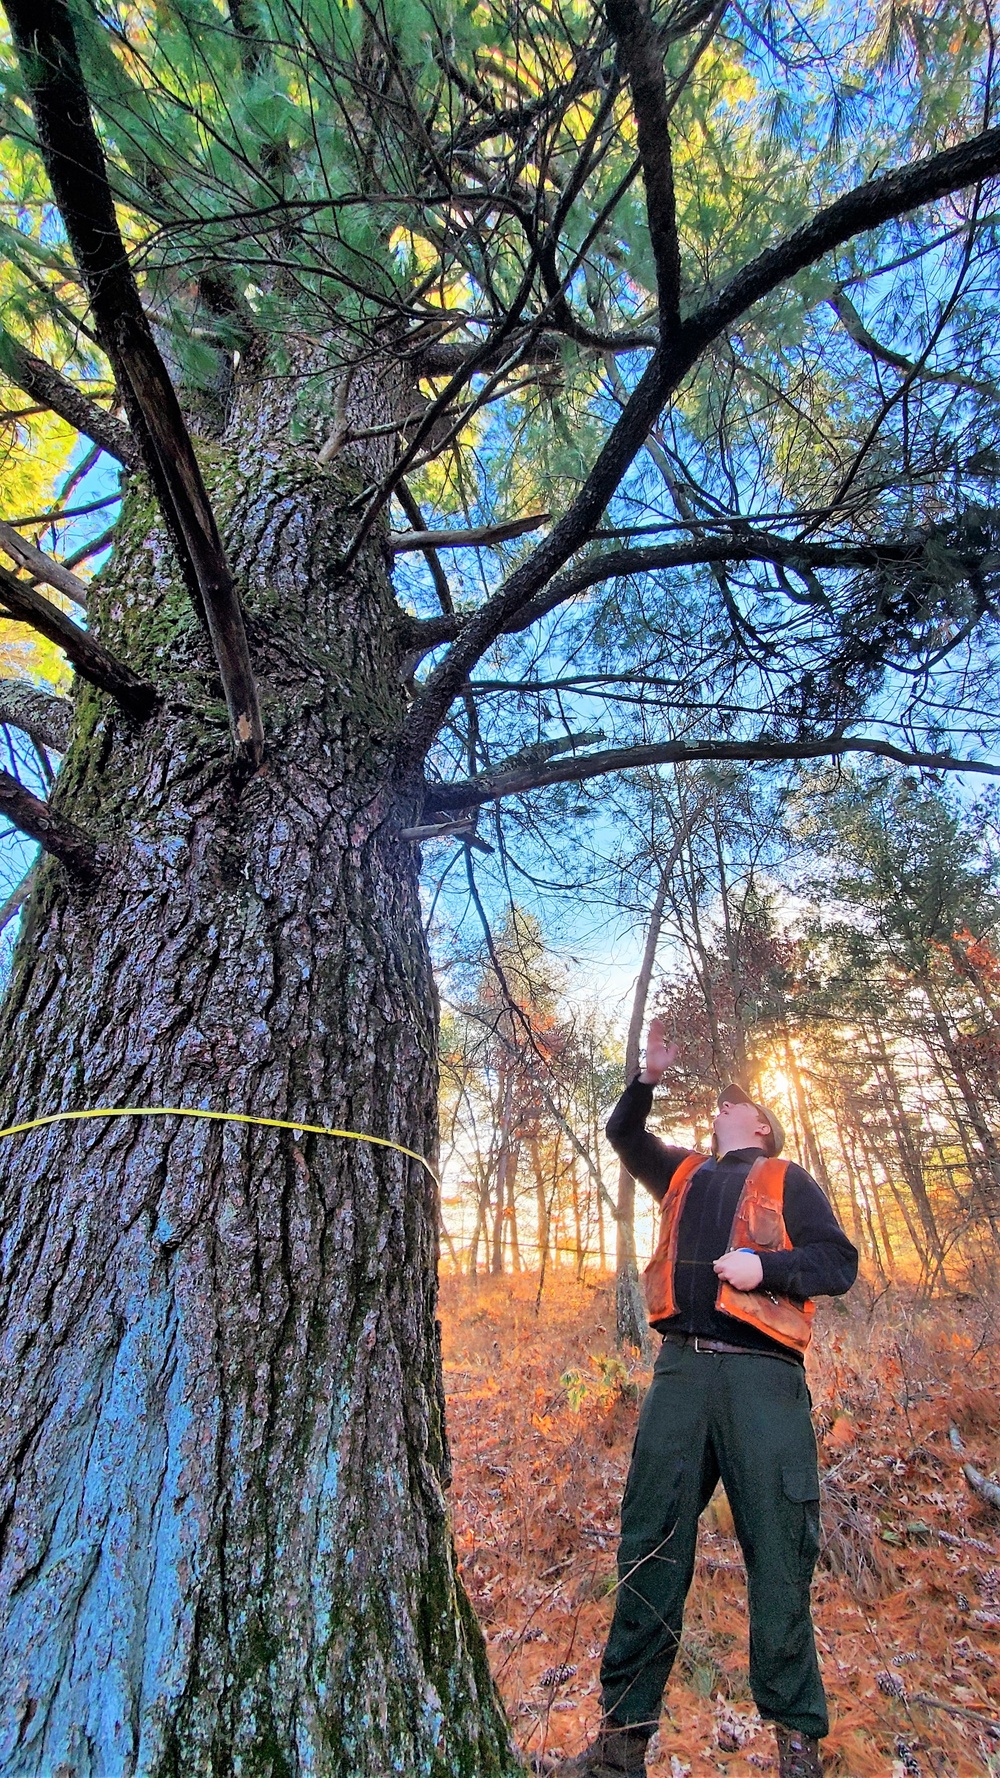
(46, 48)
(749, 546)
(52, 390)
(68, 843)
(407, 540)
(17, 898)
(845, 311)
(641, 57)
(423, 633)
(866, 207)
(439, 359)
(42, 567)
(468, 793)
(476, 635)
(40, 714)
(752, 546)
(987, 1491)
(869, 205)
(441, 585)
(90, 658)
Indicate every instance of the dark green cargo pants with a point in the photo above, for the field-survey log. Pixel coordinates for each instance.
(744, 1418)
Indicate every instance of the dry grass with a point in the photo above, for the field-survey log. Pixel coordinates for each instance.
(907, 1598)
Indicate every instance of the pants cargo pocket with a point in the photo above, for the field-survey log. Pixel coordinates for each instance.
(800, 1486)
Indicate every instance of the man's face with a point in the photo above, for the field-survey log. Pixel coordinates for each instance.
(739, 1126)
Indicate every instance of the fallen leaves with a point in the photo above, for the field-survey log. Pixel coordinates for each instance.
(910, 1573)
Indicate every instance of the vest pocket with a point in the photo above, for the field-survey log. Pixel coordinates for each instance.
(765, 1225)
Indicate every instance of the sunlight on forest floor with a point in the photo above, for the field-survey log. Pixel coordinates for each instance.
(907, 1596)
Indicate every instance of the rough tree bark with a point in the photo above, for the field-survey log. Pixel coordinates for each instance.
(224, 1543)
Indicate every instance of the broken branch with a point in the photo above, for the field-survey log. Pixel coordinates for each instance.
(90, 658)
(981, 1485)
(17, 898)
(65, 841)
(42, 567)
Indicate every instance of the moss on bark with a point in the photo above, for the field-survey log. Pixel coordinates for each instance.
(224, 1547)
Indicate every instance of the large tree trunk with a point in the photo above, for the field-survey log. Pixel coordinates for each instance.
(225, 1545)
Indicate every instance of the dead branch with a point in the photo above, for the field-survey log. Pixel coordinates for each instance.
(17, 898)
(65, 841)
(54, 391)
(399, 541)
(340, 427)
(47, 53)
(981, 1485)
(90, 658)
(42, 567)
(985, 1723)
(441, 586)
(440, 830)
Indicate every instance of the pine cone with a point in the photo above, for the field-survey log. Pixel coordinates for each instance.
(554, 1676)
(904, 1752)
(890, 1685)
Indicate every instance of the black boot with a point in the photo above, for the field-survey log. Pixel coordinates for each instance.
(798, 1754)
(616, 1751)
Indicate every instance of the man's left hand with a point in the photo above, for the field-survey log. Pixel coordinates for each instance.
(742, 1270)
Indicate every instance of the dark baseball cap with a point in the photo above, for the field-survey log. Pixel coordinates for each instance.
(734, 1095)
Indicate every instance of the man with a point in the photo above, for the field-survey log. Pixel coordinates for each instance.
(745, 1241)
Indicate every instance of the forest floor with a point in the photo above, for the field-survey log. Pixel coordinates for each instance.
(907, 1594)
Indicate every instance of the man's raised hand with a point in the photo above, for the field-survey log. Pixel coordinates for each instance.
(660, 1055)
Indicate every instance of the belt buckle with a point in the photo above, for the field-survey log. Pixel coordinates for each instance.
(696, 1345)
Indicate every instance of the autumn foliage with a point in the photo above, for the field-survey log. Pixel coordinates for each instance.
(907, 1595)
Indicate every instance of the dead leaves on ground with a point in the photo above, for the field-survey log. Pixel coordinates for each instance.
(907, 1597)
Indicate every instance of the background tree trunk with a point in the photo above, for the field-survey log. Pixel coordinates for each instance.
(225, 1544)
(502, 1171)
(631, 1324)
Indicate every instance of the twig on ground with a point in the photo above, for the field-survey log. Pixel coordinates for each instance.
(986, 1723)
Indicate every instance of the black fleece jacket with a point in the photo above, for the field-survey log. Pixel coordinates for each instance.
(820, 1262)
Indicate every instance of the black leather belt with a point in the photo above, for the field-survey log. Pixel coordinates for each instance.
(700, 1344)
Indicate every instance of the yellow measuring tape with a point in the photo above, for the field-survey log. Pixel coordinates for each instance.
(221, 1117)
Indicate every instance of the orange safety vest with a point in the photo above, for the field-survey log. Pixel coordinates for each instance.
(759, 1223)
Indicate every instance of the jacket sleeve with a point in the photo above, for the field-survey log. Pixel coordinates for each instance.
(648, 1159)
(821, 1260)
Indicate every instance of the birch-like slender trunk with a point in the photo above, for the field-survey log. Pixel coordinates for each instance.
(630, 1308)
